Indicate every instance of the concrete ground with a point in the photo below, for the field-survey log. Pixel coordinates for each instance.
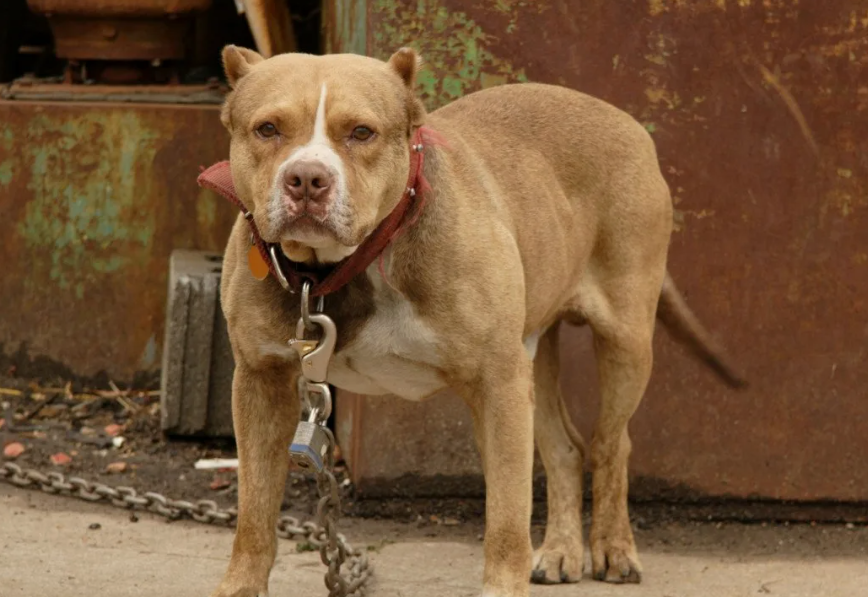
(47, 548)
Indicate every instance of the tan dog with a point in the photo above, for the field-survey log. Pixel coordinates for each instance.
(546, 205)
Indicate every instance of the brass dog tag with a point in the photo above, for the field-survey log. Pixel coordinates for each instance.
(257, 264)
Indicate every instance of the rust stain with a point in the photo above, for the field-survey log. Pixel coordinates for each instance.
(758, 109)
(96, 196)
(792, 105)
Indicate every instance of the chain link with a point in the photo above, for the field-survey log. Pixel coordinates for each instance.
(334, 549)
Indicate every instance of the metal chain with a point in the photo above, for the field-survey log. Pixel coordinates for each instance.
(335, 550)
(313, 447)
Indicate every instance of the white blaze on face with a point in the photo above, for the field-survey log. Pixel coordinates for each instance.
(318, 149)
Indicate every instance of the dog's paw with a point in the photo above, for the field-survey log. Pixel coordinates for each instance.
(616, 562)
(558, 562)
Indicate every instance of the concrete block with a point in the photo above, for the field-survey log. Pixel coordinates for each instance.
(197, 357)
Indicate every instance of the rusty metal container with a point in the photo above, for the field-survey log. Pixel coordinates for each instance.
(94, 197)
(760, 114)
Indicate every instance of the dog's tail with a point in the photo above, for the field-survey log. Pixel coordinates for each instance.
(686, 328)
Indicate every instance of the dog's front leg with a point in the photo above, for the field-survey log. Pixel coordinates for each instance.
(265, 411)
(502, 407)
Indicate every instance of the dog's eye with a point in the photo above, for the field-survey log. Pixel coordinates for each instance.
(362, 133)
(266, 130)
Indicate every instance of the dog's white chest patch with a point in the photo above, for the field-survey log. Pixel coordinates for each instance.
(395, 352)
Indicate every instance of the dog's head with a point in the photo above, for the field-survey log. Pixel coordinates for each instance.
(320, 144)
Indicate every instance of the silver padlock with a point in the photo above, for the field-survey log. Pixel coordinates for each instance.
(310, 446)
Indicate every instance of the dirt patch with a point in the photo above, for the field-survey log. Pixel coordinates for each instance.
(112, 435)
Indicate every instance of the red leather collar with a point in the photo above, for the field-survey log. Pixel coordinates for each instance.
(218, 178)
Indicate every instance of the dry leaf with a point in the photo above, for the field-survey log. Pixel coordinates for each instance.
(116, 467)
(113, 430)
(13, 450)
(219, 483)
(60, 458)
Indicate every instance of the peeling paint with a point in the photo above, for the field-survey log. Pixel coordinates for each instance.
(455, 48)
(5, 173)
(100, 194)
(85, 201)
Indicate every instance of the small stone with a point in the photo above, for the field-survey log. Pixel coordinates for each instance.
(13, 450)
(850, 526)
(134, 518)
(60, 458)
(95, 526)
(118, 441)
(115, 468)
(451, 522)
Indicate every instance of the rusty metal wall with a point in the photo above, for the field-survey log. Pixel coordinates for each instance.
(93, 199)
(759, 109)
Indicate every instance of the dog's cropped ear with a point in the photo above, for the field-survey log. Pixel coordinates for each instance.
(237, 62)
(406, 63)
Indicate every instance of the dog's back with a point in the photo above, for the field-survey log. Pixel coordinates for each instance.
(578, 178)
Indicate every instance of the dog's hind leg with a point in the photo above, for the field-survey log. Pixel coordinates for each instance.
(623, 329)
(560, 558)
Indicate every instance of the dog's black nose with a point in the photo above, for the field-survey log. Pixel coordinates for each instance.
(307, 180)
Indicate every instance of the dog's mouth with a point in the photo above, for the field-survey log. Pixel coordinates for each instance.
(314, 232)
(308, 224)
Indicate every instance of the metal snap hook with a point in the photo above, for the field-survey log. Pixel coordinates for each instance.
(305, 305)
(272, 251)
(315, 355)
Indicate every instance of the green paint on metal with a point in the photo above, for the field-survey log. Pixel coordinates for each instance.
(85, 209)
(148, 359)
(5, 173)
(351, 23)
(206, 210)
(7, 139)
(454, 47)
